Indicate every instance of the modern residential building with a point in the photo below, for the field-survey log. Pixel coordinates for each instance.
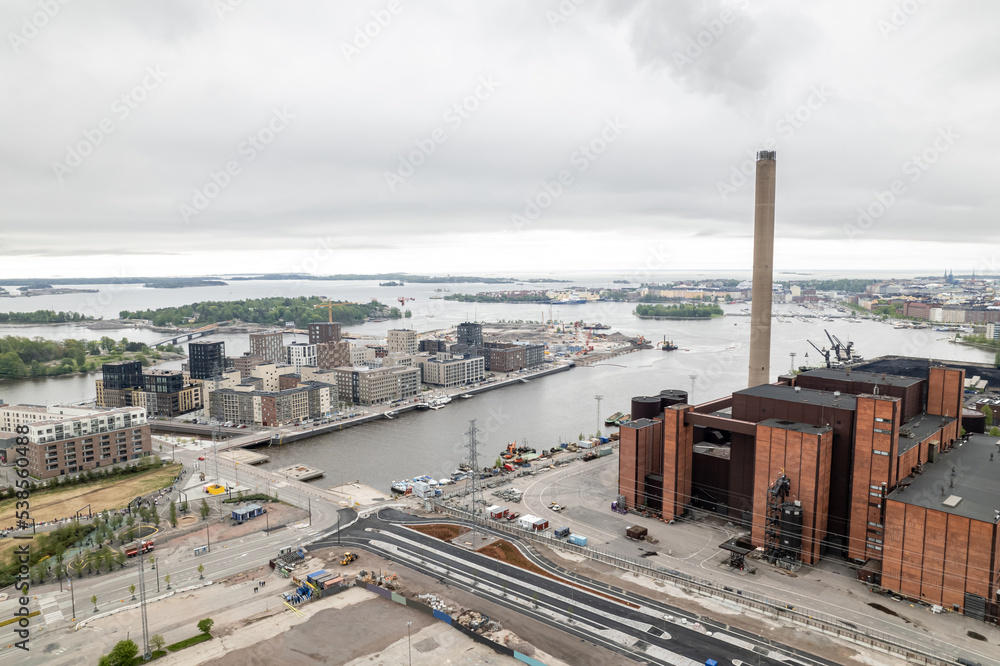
(373, 386)
(206, 359)
(330, 355)
(433, 346)
(324, 331)
(993, 331)
(402, 341)
(160, 392)
(361, 355)
(246, 363)
(269, 345)
(505, 357)
(448, 371)
(120, 375)
(247, 405)
(469, 334)
(267, 376)
(66, 440)
(300, 353)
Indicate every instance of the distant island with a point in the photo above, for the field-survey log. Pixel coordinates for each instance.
(391, 283)
(42, 317)
(274, 310)
(679, 311)
(501, 297)
(180, 283)
(26, 357)
(34, 283)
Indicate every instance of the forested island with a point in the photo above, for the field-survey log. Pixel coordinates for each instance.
(679, 311)
(42, 317)
(180, 283)
(274, 310)
(25, 357)
(500, 297)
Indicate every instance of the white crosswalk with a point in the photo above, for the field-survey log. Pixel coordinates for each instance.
(51, 612)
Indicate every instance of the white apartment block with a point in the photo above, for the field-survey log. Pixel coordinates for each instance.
(361, 355)
(299, 354)
(447, 371)
(373, 386)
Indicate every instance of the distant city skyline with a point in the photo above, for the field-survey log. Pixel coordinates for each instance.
(526, 137)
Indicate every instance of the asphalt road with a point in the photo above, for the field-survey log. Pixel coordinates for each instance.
(645, 630)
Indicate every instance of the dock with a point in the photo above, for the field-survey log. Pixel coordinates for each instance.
(301, 472)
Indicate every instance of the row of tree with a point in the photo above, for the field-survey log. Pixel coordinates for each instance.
(38, 357)
(272, 310)
(683, 310)
(42, 317)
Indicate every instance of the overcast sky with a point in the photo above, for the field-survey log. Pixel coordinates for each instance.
(172, 137)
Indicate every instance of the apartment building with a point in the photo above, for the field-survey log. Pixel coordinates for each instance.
(402, 341)
(324, 331)
(65, 440)
(245, 404)
(269, 345)
(373, 386)
(206, 359)
(447, 371)
(300, 353)
(330, 355)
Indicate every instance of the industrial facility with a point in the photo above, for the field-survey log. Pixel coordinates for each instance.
(870, 467)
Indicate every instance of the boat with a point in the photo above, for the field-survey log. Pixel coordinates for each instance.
(422, 406)
(465, 396)
(668, 345)
(401, 487)
(435, 406)
(613, 419)
(624, 419)
(390, 414)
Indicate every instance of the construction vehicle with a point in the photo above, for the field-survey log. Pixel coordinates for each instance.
(348, 558)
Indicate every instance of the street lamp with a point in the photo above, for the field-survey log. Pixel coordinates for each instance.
(72, 597)
(409, 650)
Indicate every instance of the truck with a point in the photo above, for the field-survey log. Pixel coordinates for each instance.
(141, 549)
(636, 532)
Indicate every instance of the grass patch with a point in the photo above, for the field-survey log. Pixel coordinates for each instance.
(444, 532)
(188, 642)
(138, 660)
(34, 613)
(111, 493)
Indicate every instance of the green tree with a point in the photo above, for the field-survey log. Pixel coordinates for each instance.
(121, 654)
(204, 509)
(157, 641)
(173, 513)
(166, 579)
(93, 600)
(131, 589)
(184, 506)
(201, 571)
(120, 559)
(995, 431)
(205, 626)
(988, 413)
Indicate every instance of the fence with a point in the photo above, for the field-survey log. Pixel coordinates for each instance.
(444, 617)
(774, 608)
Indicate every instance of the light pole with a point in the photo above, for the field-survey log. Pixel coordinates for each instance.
(409, 650)
(598, 398)
(72, 597)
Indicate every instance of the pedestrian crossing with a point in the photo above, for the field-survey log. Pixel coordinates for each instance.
(51, 612)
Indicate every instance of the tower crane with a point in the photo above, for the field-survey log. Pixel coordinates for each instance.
(403, 299)
(329, 305)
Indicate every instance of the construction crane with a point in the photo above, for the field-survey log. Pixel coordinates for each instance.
(843, 352)
(824, 352)
(402, 300)
(329, 305)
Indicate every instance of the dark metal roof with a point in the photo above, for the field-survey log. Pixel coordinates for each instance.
(976, 480)
(806, 396)
(797, 427)
(867, 377)
(919, 427)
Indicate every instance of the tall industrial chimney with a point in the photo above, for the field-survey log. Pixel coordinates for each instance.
(763, 270)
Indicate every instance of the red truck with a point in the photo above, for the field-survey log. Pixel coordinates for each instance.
(146, 547)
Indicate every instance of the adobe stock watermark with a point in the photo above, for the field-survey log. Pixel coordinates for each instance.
(564, 10)
(914, 168)
(695, 46)
(581, 159)
(786, 127)
(247, 151)
(900, 15)
(365, 34)
(121, 108)
(454, 118)
(32, 25)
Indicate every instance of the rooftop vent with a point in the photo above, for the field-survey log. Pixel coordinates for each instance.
(798, 389)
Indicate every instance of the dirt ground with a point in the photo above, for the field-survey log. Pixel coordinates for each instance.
(110, 494)
(442, 531)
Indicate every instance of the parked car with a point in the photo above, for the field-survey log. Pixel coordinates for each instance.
(201, 457)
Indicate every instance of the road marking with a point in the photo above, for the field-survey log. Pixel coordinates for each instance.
(50, 610)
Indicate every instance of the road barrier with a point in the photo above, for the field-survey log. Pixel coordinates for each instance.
(767, 606)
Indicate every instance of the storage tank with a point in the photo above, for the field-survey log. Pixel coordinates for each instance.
(672, 397)
(790, 536)
(645, 407)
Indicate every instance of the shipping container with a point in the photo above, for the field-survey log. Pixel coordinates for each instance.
(577, 539)
(561, 532)
(604, 451)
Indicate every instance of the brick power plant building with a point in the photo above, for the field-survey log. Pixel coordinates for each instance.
(834, 463)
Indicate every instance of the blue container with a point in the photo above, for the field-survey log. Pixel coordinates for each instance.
(577, 539)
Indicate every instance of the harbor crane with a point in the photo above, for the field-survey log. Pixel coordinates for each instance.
(330, 305)
(825, 352)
